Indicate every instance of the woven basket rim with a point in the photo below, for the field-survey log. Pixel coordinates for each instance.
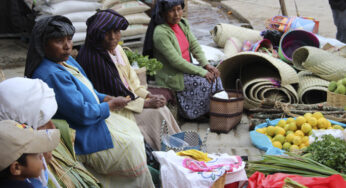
(287, 74)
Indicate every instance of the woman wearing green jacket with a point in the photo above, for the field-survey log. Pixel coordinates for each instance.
(170, 40)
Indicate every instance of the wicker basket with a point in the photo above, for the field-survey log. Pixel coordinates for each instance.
(337, 100)
(225, 114)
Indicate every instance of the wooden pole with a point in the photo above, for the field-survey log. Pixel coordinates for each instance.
(283, 7)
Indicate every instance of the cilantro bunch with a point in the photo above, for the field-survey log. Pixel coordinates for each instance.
(329, 151)
(151, 64)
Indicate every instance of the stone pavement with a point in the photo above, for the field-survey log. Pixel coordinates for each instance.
(256, 12)
(236, 142)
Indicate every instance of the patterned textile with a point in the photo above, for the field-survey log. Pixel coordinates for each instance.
(194, 99)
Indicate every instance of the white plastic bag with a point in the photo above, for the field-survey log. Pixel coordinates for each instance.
(138, 18)
(221, 95)
(337, 133)
(79, 16)
(136, 29)
(131, 7)
(79, 27)
(66, 7)
(79, 37)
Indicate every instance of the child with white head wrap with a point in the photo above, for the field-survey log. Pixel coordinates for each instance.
(31, 102)
(28, 101)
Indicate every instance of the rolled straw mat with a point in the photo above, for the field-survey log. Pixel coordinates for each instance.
(312, 89)
(259, 89)
(233, 46)
(321, 63)
(222, 32)
(250, 65)
(335, 50)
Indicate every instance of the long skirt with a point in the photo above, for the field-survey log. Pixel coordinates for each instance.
(149, 122)
(124, 165)
(194, 99)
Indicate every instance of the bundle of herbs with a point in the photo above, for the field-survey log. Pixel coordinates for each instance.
(329, 151)
(151, 64)
(290, 164)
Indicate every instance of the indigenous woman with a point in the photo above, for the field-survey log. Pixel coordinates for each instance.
(108, 143)
(108, 68)
(170, 40)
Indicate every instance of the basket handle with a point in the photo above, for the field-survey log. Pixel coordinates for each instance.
(204, 142)
(238, 87)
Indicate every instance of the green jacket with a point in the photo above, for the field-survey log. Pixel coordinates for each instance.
(167, 50)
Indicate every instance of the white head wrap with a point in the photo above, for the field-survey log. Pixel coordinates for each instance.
(28, 101)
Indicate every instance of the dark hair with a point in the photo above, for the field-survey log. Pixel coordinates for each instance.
(45, 28)
(6, 173)
(157, 18)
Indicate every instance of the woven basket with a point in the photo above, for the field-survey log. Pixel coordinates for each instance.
(225, 114)
(222, 32)
(312, 89)
(259, 89)
(190, 137)
(294, 39)
(337, 100)
(232, 47)
(250, 65)
(321, 63)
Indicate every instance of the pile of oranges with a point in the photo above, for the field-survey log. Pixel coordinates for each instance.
(293, 134)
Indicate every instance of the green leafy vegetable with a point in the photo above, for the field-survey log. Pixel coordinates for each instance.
(152, 65)
(329, 151)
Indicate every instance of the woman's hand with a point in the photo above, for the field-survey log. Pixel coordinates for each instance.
(117, 103)
(213, 70)
(154, 101)
(108, 98)
(210, 77)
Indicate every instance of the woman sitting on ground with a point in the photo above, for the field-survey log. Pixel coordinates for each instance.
(170, 40)
(108, 68)
(109, 143)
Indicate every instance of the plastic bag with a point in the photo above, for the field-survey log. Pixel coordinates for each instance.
(284, 24)
(258, 180)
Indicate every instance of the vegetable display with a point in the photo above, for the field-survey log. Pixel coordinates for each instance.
(329, 151)
(151, 64)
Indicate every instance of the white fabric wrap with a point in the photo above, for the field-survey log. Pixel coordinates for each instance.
(28, 101)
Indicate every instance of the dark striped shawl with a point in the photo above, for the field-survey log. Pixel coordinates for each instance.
(96, 61)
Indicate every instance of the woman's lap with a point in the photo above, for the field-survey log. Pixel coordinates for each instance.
(127, 158)
(194, 99)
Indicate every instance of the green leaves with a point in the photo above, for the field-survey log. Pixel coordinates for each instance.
(329, 151)
(291, 164)
(152, 65)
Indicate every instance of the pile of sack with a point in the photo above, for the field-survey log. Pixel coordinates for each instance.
(283, 63)
(78, 11)
(134, 12)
